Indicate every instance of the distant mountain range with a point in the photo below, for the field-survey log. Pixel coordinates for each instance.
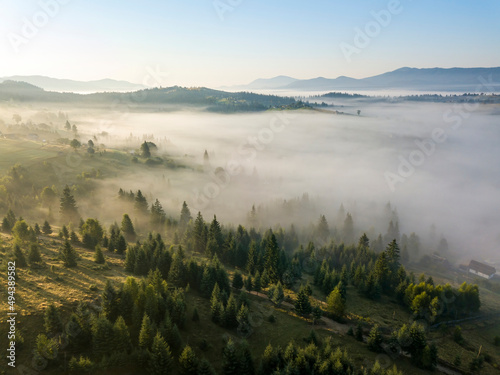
(69, 85)
(433, 79)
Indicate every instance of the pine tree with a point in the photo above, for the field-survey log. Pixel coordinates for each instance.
(303, 305)
(271, 255)
(230, 362)
(68, 209)
(68, 255)
(348, 229)
(237, 280)
(146, 333)
(110, 303)
(199, 234)
(205, 368)
(185, 215)
(276, 294)
(121, 245)
(52, 321)
(103, 339)
(141, 204)
(98, 255)
(46, 228)
(230, 313)
(145, 151)
(19, 256)
(158, 216)
(246, 360)
(188, 363)
(336, 303)
(375, 339)
(121, 335)
(323, 231)
(128, 228)
(34, 255)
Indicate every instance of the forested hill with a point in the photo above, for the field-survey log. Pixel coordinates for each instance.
(160, 98)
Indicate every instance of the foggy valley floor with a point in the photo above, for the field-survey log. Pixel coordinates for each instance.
(424, 174)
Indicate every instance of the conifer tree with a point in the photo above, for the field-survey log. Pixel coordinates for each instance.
(52, 321)
(205, 368)
(98, 255)
(102, 336)
(19, 256)
(246, 361)
(34, 255)
(46, 228)
(303, 305)
(161, 360)
(185, 215)
(188, 363)
(146, 333)
(128, 228)
(141, 204)
(121, 335)
(67, 208)
(68, 255)
(230, 361)
(237, 280)
(375, 339)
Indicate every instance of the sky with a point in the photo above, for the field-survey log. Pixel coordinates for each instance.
(215, 43)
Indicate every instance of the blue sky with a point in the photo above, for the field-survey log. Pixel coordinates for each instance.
(189, 43)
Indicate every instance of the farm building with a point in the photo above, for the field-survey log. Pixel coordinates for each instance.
(481, 269)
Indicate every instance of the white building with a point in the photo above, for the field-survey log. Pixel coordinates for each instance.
(481, 269)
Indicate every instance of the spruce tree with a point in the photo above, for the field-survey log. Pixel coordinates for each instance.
(52, 321)
(146, 333)
(141, 204)
(34, 255)
(46, 228)
(237, 280)
(205, 368)
(67, 208)
(375, 339)
(121, 335)
(98, 255)
(303, 305)
(185, 215)
(230, 360)
(103, 339)
(110, 302)
(246, 361)
(121, 245)
(19, 256)
(145, 151)
(199, 234)
(68, 255)
(188, 363)
(128, 228)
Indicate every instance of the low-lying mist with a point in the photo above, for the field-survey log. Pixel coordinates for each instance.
(437, 164)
